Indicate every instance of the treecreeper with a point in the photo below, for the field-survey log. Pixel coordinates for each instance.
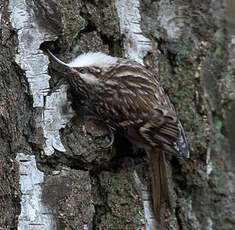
(129, 98)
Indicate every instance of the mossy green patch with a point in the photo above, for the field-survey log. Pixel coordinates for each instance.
(180, 81)
(123, 202)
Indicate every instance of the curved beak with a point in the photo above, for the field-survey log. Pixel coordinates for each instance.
(57, 59)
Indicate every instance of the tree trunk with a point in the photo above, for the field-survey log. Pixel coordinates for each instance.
(55, 170)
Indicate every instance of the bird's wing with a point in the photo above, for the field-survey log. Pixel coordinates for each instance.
(164, 131)
(134, 98)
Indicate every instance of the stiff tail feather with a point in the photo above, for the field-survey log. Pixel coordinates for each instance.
(160, 192)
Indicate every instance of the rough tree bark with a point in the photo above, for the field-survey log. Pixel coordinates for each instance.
(55, 173)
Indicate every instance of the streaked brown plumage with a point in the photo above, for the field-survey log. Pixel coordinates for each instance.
(129, 98)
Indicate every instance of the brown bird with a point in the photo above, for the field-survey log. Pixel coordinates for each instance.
(129, 98)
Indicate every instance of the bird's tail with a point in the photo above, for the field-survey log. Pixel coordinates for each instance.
(160, 192)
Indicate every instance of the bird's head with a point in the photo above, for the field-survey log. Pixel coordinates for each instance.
(89, 67)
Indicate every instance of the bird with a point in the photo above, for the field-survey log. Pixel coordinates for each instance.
(129, 98)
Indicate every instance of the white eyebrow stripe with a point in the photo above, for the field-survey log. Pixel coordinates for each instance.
(93, 59)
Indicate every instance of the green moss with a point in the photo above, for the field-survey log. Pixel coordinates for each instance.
(123, 202)
(218, 123)
(75, 49)
(182, 86)
(182, 49)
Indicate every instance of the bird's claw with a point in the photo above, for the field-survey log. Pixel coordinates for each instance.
(112, 138)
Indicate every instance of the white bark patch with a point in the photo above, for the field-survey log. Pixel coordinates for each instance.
(136, 45)
(172, 19)
(54, 119)
(209, 165)
(34, 215)
(151, 223)
(35, 64)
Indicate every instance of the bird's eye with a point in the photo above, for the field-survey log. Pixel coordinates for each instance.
(82, 71)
